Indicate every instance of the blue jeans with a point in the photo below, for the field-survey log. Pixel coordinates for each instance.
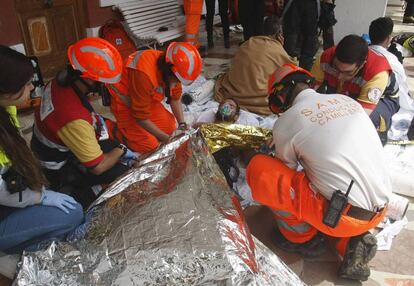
(34, 227)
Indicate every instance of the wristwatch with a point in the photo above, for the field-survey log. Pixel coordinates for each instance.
(123, 148)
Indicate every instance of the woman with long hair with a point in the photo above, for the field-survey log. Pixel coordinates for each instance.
(31, 216)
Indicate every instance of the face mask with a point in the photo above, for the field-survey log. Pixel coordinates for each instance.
(225, 112)
(225, 109)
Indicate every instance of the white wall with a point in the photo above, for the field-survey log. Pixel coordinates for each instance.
(105, 3)
(92, 32)
(354, 16)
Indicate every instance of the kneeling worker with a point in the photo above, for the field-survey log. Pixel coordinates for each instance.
(344, 187)
(352, 69)
(69, 138)
(142, 122)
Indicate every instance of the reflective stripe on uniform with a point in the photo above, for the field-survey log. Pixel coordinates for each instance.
(47, 142)
(282, 213)
(328, 69)
(299, 228)
(51, 165)
(358, 80)
(282, 217)
(286, 70)
(382, 125)
(191, 36)
(135, 60)
(125, 99)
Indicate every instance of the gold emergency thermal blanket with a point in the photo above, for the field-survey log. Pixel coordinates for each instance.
(218, 136)
(170, 221)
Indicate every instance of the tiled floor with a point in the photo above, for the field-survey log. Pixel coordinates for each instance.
(394, 267)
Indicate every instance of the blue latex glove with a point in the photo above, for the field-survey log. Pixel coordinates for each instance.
(130, 155)
(59, 200)
(129, 158)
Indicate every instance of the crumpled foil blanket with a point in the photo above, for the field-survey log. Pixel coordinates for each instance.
(171, 221)
(221, 135)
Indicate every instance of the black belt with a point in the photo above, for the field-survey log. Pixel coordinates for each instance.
(360, 213)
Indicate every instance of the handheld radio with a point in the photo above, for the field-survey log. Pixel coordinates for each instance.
(336, 207)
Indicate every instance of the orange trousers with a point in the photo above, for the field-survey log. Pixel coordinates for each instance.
(140, 140)
(192, 10)
(298, 209)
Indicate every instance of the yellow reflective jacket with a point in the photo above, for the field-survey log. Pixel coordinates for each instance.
(12, 110)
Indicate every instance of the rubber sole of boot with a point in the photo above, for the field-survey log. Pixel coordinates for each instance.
(356, 267)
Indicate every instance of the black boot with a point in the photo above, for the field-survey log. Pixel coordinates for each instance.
(312, 248)
(227, 41)
(360, 251)
(210, 40)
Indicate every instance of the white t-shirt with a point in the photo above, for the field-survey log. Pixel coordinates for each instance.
(245, 118)
(406, 101)
(334, 140)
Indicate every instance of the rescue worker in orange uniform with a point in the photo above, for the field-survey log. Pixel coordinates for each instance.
(319, 132)
(352, 69)
(142, 122)
(192, 10)
(69, 138)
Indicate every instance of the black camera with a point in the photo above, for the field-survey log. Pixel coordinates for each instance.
(15, 182)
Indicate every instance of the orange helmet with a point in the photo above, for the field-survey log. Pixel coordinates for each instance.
(186, 61)
(281, 83)
(97, 59)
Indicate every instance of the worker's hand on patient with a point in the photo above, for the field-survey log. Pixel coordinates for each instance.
(59, 200)
(130, 155)
(129, 158)
(198, 124)
(270, 143)
(268, 147)
(183, 126)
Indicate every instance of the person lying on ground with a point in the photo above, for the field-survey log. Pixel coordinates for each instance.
(228, 111)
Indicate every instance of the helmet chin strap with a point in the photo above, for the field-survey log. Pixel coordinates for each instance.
(289, 98)
(284, 96)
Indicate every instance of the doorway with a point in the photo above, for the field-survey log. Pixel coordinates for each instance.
(48, 28)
